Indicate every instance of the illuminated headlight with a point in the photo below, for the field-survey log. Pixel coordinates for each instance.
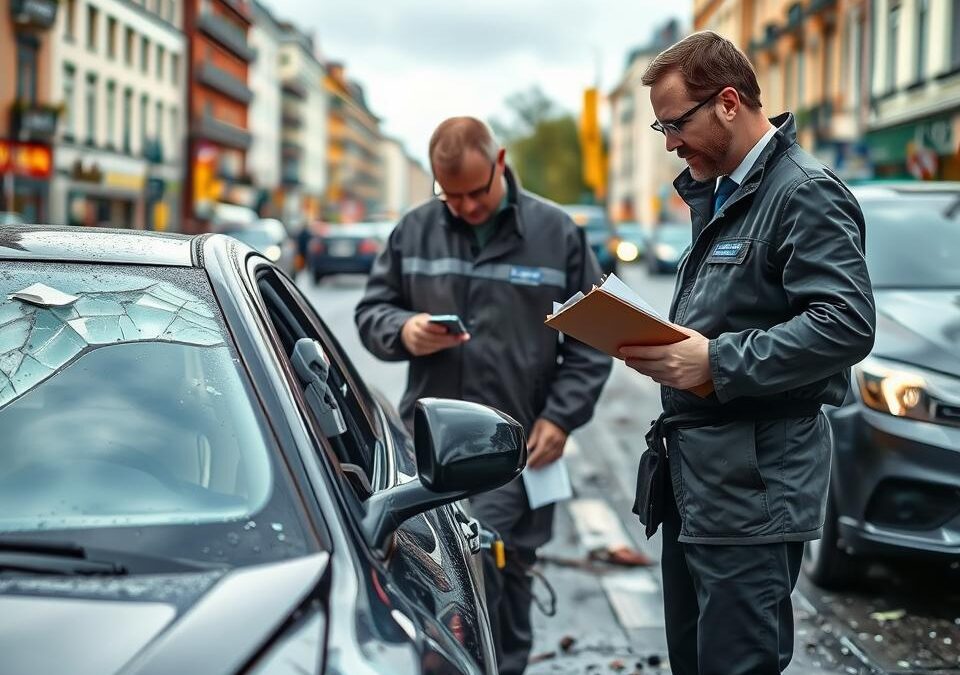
(666, 252)
(908, 391)
(272, 252)
(627, 251)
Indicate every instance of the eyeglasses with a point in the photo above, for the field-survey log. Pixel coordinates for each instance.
(439, 193)
(675, 127)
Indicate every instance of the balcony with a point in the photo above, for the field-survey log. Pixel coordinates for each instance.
(222, 81)
(295, 88)
(227, 35)
(34, 14)
(31, 122)
(214, 130)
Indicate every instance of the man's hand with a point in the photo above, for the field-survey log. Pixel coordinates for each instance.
(421, 337)
(545, 444)
(682, 365)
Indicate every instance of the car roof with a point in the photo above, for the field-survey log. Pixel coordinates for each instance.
(94, 245)
(887, 190)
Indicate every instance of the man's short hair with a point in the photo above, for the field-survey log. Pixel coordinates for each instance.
(707, 62)
(454, 137)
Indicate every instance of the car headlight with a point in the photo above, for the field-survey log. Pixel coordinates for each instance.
(272, 252)
(627, 251)
(666, 252)
(908, 391)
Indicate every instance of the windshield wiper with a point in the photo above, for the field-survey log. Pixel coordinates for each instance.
(52, 557)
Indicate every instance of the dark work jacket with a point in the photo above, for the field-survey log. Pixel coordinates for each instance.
(777, 281)
(502, 292)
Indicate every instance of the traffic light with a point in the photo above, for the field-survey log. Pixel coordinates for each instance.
(591, 146)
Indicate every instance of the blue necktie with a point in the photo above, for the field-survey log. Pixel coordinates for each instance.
(727, 187)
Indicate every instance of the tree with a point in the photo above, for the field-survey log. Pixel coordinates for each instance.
(543, 146)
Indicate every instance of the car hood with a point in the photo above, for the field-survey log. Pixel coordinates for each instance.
(919, 327)
(198, 623)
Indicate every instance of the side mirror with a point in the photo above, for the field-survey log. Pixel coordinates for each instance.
(462, 449)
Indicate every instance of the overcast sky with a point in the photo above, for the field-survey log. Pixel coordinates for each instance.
(421, 61)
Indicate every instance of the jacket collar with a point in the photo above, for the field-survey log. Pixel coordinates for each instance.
(699, 196)
(511, 214)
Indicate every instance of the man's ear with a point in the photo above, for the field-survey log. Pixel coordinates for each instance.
(730, 103)
(501, 157)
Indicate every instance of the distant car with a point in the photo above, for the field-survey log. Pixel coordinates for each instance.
(10, 218)
(226, 216)
(601, 234)
(269, 237)
(895, 484)
(346, 249)
(192, 472)
(668, 243)
(633, 242)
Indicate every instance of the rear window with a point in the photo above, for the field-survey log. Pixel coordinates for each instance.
(121, 403)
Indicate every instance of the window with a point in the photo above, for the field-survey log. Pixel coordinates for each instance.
(27, 69)
(144, 54)
(856, 62)
(70, 20)
(111, 112)
(920, 61)
(127, 119)
(801, 77)
(175, 68)
(69, 94)
(158, 124)
(170, 14)
(174, 133)
(955, 35)
(111, 38)
(356, 447)
(161, 61)
(93, 19)
(893, 39)
(128, 47)
(144, 111)
(90, 96)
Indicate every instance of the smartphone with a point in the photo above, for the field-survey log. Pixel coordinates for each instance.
(451, 322)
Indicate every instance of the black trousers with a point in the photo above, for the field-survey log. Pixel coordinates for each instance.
(509, 591)
(727, 608)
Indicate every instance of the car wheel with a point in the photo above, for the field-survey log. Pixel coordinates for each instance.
(824, 562)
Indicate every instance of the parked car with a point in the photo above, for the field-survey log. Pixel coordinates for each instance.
(601, 234)
(192, 466)
(10, 218)
(668, 243)
(633, 242)
(269, 237)
(895, 486)
(346, 249)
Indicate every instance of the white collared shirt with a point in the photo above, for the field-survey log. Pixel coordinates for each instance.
(740, 173)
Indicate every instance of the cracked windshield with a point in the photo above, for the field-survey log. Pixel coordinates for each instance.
(704, 253)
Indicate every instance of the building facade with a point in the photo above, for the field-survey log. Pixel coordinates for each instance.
(265, 111)
(395, 165)
(641, 171)
(28, 111)
(118, 68)
(304, 122)
(419, 183)
(218, 100)
(355, 184)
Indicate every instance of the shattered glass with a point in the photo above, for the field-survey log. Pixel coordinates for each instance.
(36, 342)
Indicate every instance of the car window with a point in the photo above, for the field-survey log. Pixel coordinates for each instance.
(913, 241)
(122, 405)
(357, 446)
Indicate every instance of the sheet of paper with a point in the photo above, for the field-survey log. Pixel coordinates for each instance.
(574, 299)
(44, 296)
(548, 484)
(614, 286)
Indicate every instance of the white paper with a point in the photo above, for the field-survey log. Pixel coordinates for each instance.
(574, 299)
(548, 484)
(614, 286)
(44, 296)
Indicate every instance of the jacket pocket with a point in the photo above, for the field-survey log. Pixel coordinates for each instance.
(723, 491)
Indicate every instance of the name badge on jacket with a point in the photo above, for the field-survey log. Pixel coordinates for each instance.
(729, 252)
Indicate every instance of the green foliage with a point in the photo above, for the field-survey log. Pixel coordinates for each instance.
(543, 146)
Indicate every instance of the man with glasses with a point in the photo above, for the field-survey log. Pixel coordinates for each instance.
(775, 297)
(498, 257)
